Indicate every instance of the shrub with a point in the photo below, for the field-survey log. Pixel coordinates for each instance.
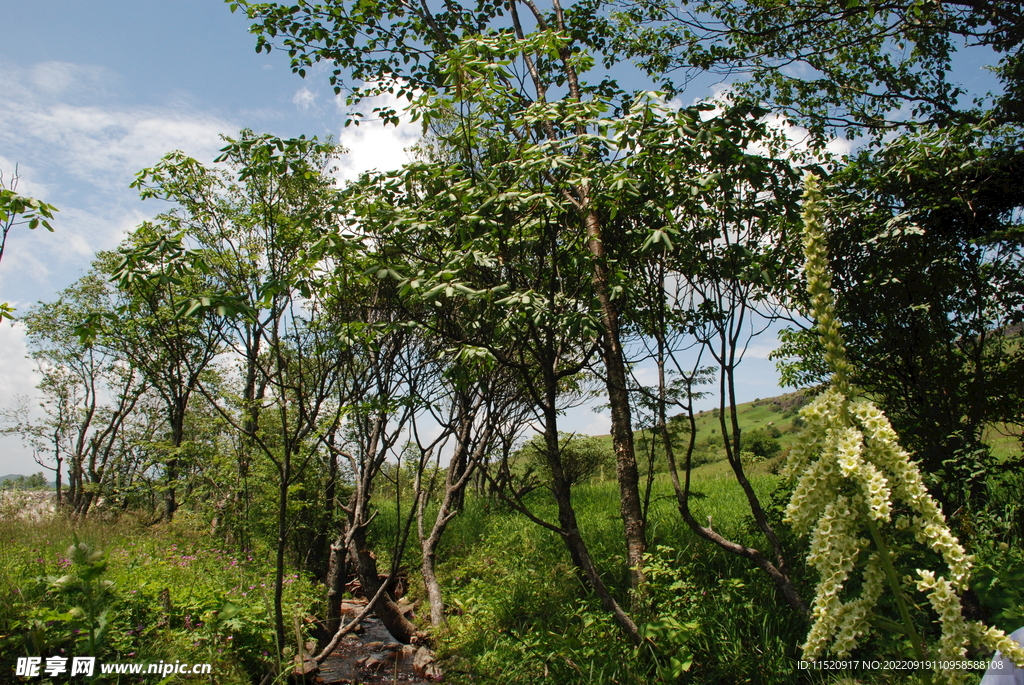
(582, 457)
(760, 443)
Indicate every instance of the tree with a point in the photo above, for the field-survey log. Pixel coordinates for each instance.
(565, 168)
(375, 43)
(927, 257)
(582, 457)
(258, 235)
(89, 397)
(382, 405)
(519, 286)
(761, 443)
(253, 227)
(860, 67)
(36, 481)
(171, 352)
(89, 394)
(718, 278)
(468, 401)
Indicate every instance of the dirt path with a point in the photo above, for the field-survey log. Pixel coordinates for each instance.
(373, 657)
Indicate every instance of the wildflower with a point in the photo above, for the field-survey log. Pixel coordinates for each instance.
(850, 471)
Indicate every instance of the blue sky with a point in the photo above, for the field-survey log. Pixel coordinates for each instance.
(93, 91)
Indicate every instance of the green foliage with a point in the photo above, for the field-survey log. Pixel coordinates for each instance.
(155, 594)
(36, 481)
(88, 594)
(17, 209)
(854, 66)
(995, 536)
(760, 444)
(998, 581)
(582, 457)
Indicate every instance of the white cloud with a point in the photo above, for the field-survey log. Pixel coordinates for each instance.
(372, 145)
(759, 351)
(797, 137)
(584, 420)
(79, 149)
(105, 148)
(61, 79)
(304, 98)
(18, 378)
(27, 181)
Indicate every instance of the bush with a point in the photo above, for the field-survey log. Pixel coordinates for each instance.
(760, 443)
(582, 457)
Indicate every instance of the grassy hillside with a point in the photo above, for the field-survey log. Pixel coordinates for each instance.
(777, 415)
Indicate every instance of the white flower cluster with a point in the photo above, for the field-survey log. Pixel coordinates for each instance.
(995, 639)
(848, 466)
(945, 603)
(849, 470)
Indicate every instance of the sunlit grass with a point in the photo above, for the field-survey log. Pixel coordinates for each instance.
(171, 586)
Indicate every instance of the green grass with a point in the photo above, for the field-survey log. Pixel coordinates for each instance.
(171, 593)
(519, 611)
(522, 615)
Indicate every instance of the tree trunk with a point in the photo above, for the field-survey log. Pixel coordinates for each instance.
(631, 505)
(171, 473)
(322, 548)
(574, 541)
(337, 578)
(432, 586)
(282, 532)
(401, 628)
(58, 484)
(777, 573)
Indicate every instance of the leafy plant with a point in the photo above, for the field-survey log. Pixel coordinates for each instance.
(760, 444)
(90, 596)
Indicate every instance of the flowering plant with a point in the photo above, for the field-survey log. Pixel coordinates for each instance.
(852, 480)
